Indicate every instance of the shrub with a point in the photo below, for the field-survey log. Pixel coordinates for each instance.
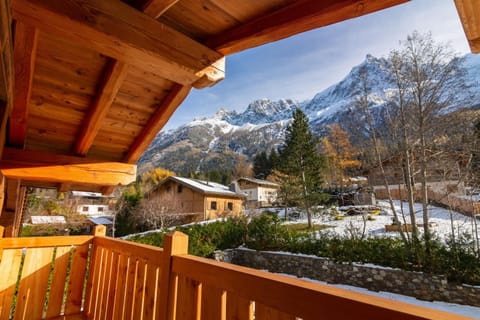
(457, 260)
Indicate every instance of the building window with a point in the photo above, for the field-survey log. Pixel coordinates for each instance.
(213, 205)
(85, 209)
(180, 189)
(230, 206)
(100, 209)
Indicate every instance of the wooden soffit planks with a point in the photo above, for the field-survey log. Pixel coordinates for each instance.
(300, 16)
(176, 96)
(123, 33)
(112, 81)
(155, 8)
(45, 167)
(469, 12)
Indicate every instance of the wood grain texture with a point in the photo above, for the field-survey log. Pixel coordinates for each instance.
(73, 303)
(113, 79)
(295, 297)
(121, 32)
(40, 166)
(157, 121)
(469, 13)
(10, 267)
(238, 307)
(155, 8)
(104, 174)
(59, 277)
(6, 59)
(298, 17)
(43, 242)
(33, 284)
(24, 55)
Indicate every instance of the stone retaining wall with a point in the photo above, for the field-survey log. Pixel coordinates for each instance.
(415, 284)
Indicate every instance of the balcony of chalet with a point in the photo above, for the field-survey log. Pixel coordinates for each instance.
(85, 86)
(96, 277)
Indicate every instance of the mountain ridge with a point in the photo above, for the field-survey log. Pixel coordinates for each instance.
(218, 141)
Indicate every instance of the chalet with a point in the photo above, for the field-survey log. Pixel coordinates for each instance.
(92, 204)
(85, 86)
(260, 193)
(208, 199)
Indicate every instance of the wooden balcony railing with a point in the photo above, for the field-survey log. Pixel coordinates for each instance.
(94, 277)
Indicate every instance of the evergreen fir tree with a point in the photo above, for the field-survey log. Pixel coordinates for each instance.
(274, 160)
(261, 165)
(299, 158)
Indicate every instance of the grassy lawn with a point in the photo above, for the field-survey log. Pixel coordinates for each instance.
(303, 227)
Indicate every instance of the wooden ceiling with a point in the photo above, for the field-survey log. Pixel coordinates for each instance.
(95, 81)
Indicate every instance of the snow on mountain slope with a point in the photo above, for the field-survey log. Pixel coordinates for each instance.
(216, 142)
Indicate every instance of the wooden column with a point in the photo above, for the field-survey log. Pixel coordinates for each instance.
(100, 231)
(175, 243)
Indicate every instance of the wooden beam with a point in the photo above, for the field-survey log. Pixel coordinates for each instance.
(157, 121)
(469, 13)
(104, 174)
(3, 186)
(112, 81)
(123, 33)
(3, 125)
(300, 16)
(6, 57)
(24, 54)
(155, 8)
(44, 167)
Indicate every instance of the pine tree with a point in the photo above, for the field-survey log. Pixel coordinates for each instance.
(274, 160)
(261, 165)
(299, 158)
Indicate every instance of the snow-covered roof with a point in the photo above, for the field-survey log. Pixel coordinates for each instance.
(101, 220)
(47, 219)
(207, 187)
(260, 182)
(89, 194)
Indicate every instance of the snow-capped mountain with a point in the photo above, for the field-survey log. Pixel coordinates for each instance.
(218, 142)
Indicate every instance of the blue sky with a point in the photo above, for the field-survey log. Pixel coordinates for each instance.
(303, 65)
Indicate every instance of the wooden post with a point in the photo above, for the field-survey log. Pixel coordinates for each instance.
(100, 231)
(2, 230)
(175, 243)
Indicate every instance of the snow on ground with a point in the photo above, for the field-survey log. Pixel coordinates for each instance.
(464, 310)
(440, 220)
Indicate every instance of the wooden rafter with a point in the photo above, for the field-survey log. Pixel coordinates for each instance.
(300, 16)
(113, 79)
(157, 121)
(6, 56)
(155, 8)
(469, 12)
(3, 125)
(39, 166)
(24, 54)
(123, 33)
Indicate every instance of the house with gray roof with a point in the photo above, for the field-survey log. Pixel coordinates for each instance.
(203, 199)
(259, 193)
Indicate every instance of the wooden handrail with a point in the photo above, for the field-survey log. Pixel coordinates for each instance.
(297, 297)
(127, 248)
(44, 242)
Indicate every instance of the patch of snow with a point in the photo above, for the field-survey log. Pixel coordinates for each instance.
(464, 310)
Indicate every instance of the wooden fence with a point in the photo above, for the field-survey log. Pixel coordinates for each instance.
(94, 277)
